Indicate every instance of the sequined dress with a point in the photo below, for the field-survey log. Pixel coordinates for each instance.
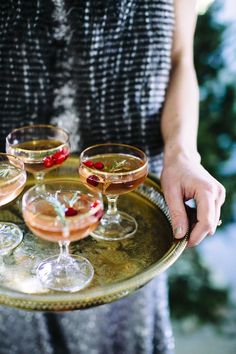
(100, 69)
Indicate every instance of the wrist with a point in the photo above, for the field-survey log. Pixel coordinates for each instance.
(174, 151)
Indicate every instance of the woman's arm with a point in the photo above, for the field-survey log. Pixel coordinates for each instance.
(183, 176)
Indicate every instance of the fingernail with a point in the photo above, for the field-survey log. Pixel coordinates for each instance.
(178, 232)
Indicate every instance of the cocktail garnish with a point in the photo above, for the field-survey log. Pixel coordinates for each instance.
(93, 180)
(88, 163)
(71, 201)
(71, 212)
(60, 208)
(117, 166)
(4, 172)
(94, 205)
(60, 156)
(99, 214)
(56, 159)
(99, 165)
(48, 162)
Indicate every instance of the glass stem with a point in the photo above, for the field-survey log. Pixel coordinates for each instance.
(64, 250)
(39, 176)
(112, 205)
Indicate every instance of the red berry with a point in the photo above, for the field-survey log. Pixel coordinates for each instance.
(88, 163)
(56, 155)
(99, 165)
(93, 180)
(48, 161)
(60, 159)
(60, 156)
(71, 212)
(99, 214)
(94, 204)
(65, 151)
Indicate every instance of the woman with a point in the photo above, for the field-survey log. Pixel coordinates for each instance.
(109, 71)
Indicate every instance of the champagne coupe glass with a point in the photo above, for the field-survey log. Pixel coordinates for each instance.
(41, 147)
(113, 169)
(63, 211)
(12, 181)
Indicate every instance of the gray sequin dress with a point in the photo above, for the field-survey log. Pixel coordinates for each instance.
(100, 69)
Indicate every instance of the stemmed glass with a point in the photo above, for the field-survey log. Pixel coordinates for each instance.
(113, 169)
(41, 147)
(12, 181)
(63, 211)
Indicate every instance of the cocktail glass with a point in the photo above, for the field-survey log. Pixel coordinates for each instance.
(12, 181)
(63, 211)
(113, 169)
(41, 147)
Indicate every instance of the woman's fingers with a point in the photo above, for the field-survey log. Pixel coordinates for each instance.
(205, 219)
(218, 204)
(208, 214)
(177, 210)
(182, 181)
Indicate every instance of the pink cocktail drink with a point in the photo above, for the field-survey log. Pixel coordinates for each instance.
(81, 219)
(12, 181)
(42, 148)
(113, 174)
(63, 211)
(113, 169)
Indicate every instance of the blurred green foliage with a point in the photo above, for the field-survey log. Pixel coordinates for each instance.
(192, 290)
(217, 127)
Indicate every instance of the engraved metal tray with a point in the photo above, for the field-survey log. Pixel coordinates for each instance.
(121, 267)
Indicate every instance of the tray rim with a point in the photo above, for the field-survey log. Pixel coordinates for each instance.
(99, 294)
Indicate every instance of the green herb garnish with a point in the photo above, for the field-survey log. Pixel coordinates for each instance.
(117, 166)
(4, 172)
(59, 207)
(71, 201)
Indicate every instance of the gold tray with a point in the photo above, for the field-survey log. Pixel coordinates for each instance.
(121, 267)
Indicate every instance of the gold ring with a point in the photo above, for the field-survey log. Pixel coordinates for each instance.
(219, 222)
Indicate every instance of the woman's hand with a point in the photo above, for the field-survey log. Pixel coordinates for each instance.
(183, 179)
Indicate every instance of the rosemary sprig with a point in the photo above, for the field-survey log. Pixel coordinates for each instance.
(60, 208)
(57, 206)
(4, 172)
(117, 166)
(71, 201)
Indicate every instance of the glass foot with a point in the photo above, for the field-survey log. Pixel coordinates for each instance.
(10, 237)
(71, 273)
(114, 228)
